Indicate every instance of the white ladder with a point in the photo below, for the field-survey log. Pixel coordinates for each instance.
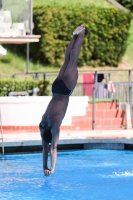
(1, 137)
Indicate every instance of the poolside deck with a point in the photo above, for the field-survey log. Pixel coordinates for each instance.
(98, 139)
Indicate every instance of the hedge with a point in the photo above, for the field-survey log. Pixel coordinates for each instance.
(127, 4)
(11, 85)
(106, 34)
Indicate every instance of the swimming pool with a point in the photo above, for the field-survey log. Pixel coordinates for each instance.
(79, 175)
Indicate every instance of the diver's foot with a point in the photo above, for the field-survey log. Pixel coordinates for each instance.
(78, 29)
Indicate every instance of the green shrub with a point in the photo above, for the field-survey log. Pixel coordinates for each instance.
(127, 4)
(11, 85)
(104, 43)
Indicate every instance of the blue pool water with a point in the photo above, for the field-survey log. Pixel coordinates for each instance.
(79, 175)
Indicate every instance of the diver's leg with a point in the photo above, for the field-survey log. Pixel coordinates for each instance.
(67, 58)
(68, 51)
(70, 75)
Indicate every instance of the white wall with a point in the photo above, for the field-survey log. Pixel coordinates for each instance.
(28, 111)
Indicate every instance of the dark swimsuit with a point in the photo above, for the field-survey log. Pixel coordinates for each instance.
(59, 87)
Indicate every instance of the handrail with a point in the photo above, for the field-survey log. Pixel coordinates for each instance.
(1, 133)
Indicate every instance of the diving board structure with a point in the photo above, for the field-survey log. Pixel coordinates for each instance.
(15, 33)
(18, 32)
(19, 39)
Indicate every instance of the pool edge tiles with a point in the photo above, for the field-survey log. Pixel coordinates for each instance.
(122, 139)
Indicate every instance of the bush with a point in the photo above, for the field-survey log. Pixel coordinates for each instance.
(127, 4)
(103, 45)
(11, 85)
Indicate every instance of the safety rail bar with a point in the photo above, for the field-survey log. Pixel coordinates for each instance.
(1, 138)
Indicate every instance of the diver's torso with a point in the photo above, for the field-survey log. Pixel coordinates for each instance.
(56, 108)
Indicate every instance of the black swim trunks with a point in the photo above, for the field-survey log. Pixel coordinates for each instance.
(45, 133)
(59, 87)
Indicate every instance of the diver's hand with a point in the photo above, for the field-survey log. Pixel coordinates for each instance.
(47, 172)
(52, 170)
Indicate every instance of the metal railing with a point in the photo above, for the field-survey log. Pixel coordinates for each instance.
(115, 75)
(1, 137)
(112, 113)
(107, 102)
(114, 101)
(35, 75)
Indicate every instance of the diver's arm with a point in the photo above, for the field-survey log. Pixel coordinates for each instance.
(45, 157)
(53, 148)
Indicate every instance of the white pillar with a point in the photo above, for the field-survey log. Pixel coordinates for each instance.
(128, 117)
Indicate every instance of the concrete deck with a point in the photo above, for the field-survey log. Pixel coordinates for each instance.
(97, 139)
